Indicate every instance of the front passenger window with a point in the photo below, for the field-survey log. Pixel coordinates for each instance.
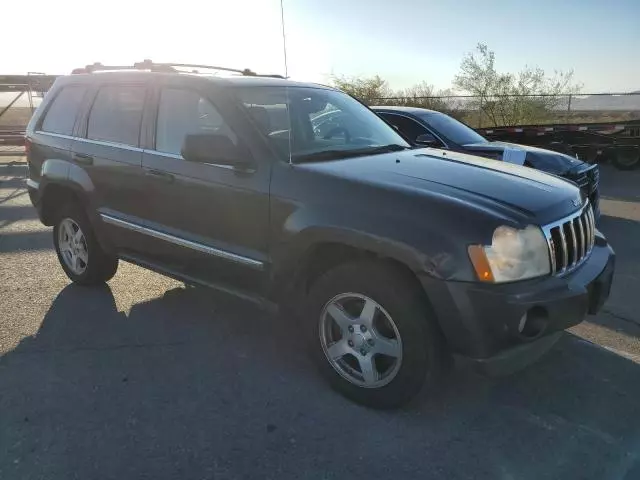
(185, 112)
(408, 127)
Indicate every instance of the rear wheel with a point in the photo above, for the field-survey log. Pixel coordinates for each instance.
(626, 159)
(80, 255)
(373, 336)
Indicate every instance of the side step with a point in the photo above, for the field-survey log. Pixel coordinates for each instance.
(261, 302)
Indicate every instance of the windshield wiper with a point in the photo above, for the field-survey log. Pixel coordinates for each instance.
(338, 154)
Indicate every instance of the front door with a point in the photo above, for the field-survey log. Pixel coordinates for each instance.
(213, 219)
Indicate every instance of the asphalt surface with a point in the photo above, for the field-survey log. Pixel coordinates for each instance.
(147, 378)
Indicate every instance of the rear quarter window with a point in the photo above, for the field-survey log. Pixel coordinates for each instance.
(61, 115)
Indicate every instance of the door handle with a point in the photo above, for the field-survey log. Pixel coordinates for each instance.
(159, 174)
(83, 159)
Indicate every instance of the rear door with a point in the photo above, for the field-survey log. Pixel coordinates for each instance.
(107, 147)
(213, 218)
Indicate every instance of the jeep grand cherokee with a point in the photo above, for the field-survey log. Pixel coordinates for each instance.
(392, 258)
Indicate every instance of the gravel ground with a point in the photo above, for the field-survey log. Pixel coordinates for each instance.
(147, 378)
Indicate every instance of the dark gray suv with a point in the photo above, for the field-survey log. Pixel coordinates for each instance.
(392, 259)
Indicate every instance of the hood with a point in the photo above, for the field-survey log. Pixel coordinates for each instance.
(509, 190)
(538, 158)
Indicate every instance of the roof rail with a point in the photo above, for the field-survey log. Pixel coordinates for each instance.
(166, 67)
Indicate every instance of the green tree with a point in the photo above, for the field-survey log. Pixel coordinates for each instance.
(510, 99)
(376, 91)
(366, 89)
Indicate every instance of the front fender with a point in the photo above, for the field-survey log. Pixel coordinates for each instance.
(423, 249)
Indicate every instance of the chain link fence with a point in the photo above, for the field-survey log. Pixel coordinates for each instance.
(512, 110)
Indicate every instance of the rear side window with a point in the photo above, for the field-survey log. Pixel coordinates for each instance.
(61, 116)
(116, 115)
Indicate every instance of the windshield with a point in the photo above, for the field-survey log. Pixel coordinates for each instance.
(306, 123)
(451, 128)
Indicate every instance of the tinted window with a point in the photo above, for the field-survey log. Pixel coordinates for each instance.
(453, 129)
(63, 111)
(408, 127)
(116, 115)
(184, 112)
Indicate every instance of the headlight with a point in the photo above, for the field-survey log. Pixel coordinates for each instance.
(512, 255)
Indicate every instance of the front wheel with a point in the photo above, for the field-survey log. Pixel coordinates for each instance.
(373, 336)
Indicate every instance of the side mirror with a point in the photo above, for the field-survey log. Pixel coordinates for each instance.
(426, 139)
(211, 148)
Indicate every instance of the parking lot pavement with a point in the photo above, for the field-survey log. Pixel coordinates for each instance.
(147, 378)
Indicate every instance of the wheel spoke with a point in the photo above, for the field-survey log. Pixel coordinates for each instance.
(368, 369)
(338, 350)
(368, 312)
(340, 316)
(68, 231)
(386, 346)
(82, 255)
(77, 266)
(78, 236)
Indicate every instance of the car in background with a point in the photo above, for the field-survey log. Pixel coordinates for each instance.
(428, 128)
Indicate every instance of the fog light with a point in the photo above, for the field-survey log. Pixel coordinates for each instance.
(533, 323)
(523, 322)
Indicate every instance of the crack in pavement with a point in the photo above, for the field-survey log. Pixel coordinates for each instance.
(96, 349)
(621, 317)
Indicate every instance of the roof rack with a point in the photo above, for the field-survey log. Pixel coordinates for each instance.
(166, 67)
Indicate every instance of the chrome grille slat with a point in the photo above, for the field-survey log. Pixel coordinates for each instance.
(552, 251)
(563, 249)
(587, 221)
(574, 244)
(583, 242)
(570, 240)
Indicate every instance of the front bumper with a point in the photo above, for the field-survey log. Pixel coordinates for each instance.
(484, 323)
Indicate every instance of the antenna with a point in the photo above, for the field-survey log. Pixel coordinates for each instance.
(286, 75)
(284, 40)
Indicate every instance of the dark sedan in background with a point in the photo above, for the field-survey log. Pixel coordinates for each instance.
(429, 128)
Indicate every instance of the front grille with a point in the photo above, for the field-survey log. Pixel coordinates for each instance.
(588, 179)
(594, 177)
(570, 240)
(582, 179)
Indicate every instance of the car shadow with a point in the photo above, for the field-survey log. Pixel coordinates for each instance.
(624, 301)
(192, 384)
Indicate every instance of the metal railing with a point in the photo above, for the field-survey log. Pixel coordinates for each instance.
(512, 110)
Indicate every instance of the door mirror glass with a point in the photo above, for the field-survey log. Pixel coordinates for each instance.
(212, 148)
(426, 139)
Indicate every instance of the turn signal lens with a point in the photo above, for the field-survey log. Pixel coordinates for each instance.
(480, 263)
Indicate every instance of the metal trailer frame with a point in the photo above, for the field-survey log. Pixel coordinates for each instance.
(615, 142)
(35, 85)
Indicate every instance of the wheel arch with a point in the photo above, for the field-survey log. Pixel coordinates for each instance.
(299, 263)
(62, 181)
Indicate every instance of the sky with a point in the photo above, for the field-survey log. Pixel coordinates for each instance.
(403, 41)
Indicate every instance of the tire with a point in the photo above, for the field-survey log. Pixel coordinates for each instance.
(95, 266)
(626, 159)
(396, 297)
